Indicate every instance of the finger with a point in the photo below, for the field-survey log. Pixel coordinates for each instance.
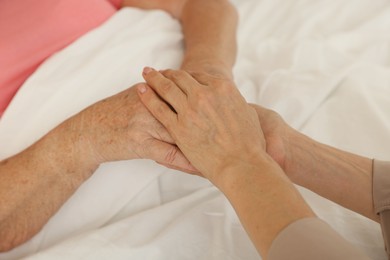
(159, 109)
(166, 88)
(168, 155)
(189, 171)
(182, 79)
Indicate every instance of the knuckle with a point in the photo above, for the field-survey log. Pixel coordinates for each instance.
(160, 109)
(166, 86)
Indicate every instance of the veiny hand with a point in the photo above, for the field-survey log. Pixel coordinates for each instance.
(121, 128)
(209, 120)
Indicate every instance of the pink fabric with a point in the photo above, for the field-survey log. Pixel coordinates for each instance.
(32, 30)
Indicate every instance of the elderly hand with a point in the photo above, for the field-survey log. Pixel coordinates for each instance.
(207, 117)
(121, 128)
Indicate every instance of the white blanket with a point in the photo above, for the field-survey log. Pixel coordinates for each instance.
(324, 65)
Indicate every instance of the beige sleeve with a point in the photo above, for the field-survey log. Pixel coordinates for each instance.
(381, 196)
(312, 238)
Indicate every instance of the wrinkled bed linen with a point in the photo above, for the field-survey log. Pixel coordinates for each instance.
(324, 65)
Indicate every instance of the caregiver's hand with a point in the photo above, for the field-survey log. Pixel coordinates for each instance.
(121, 128)
(220, 134)
(325, 170)
(278, 135)
(211, 123)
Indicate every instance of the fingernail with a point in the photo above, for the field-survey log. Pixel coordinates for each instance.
(141, 89)
(147, 70)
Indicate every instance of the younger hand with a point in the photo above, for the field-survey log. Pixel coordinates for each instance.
(209, 120)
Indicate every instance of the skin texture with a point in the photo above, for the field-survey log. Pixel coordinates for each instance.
(35, 183)
(342, 177)
(228, 131)
(227, 146)
(134, 134)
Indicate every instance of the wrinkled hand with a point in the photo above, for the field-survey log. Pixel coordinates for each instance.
(121, 128)
(211, 122)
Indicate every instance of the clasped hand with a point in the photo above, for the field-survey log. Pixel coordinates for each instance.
(121, 128)
(207, 117)
(197, 123)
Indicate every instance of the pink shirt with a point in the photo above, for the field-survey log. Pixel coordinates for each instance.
(32, 30)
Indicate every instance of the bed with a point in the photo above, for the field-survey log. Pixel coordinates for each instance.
(324, 65)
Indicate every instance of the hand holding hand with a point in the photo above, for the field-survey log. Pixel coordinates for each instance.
(285, 145)
(121, 128)
(276, 132)
(209, 120)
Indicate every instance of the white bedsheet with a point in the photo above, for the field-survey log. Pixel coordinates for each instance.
(324, 65)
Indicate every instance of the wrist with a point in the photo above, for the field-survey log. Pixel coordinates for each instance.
(298, 150)
(66, 148)
(331, 173)
(265, 200)
(237, 173)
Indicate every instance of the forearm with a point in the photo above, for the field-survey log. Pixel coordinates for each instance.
(35, 183)
(210, 36)
(265, 201)
(342, 177)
